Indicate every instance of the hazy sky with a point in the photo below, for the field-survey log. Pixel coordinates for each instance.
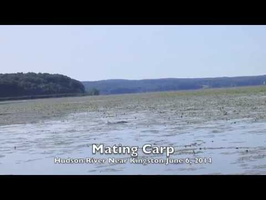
(134, 52)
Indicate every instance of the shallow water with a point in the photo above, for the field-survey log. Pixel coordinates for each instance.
(227, 128)
(235, 146)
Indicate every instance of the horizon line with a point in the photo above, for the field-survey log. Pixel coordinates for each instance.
(121, 79)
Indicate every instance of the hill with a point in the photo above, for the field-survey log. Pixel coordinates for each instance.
(120, 86)
(33, 84)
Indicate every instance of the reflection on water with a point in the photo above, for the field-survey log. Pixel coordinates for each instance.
(236, 147)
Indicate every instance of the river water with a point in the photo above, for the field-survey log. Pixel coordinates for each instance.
(233, 146)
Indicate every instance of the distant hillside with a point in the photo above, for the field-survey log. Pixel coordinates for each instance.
(32, 84)
(120, 86)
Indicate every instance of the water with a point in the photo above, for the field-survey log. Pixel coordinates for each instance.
(235, 146)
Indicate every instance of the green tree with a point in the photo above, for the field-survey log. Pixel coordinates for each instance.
(94, 91)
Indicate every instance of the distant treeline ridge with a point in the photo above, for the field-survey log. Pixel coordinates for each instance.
(120, 86)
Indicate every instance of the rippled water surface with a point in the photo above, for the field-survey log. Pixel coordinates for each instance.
(229, 129)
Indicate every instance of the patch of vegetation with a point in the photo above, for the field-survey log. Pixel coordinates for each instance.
(93, 92)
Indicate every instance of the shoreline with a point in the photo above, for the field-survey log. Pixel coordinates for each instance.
(42, 96)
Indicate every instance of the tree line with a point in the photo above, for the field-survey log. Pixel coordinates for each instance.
(120, 86)
(25, 84)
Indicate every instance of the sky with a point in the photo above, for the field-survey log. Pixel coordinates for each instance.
(90, 53)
